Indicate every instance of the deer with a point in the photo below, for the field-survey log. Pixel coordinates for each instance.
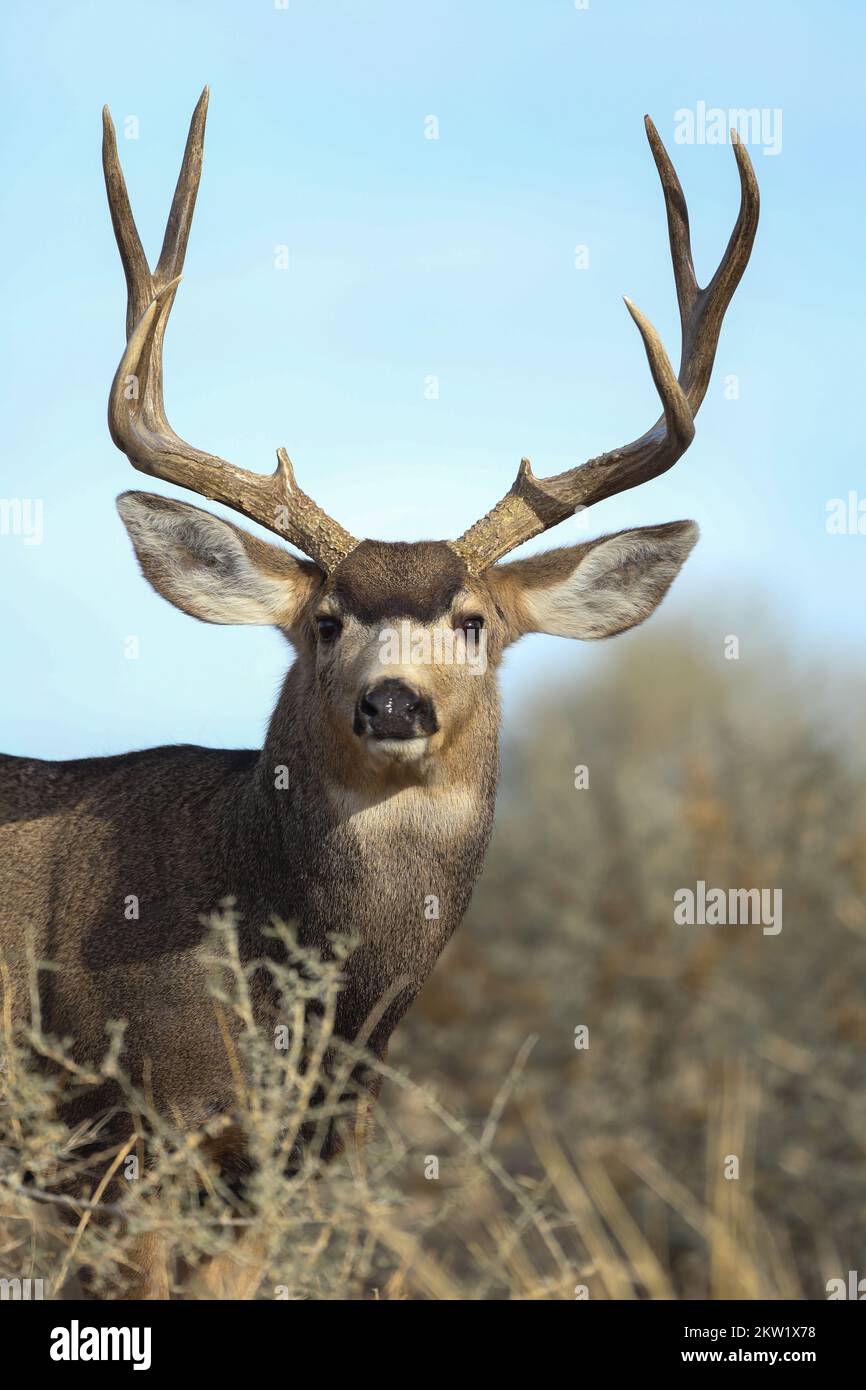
(389, 765)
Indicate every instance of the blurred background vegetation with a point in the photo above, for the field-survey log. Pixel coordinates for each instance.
(704, 1041)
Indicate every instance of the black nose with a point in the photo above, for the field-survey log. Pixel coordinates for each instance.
(392, 709)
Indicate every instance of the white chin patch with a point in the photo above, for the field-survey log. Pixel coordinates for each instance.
(397, 750)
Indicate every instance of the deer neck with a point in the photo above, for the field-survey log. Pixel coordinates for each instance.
(392, 863)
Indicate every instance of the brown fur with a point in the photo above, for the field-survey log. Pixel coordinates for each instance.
(344, 848)
(396, 580)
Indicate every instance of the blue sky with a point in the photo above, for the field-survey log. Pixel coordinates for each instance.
(411, 258)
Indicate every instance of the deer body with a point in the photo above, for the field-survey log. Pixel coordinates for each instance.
(181, 828)
(369, 809)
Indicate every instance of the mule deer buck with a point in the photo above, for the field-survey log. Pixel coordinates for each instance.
(391, 764)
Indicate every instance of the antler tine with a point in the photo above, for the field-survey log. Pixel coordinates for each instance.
(136, 412)
(177, 228)
(535, 504)
(679, 234)
(139, 282)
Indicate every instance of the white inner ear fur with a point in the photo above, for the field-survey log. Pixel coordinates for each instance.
(616, 585)
(200, 564)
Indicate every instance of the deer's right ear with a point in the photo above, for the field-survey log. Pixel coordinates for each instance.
(211, 569)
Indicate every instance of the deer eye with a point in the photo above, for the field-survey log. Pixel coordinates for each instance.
(473, 624)
(329, 628)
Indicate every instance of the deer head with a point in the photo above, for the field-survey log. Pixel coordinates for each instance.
(401, 641)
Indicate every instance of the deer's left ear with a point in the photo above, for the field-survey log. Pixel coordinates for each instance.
(596, 589)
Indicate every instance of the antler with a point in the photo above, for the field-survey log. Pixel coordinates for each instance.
(535, 504)
(136, 413)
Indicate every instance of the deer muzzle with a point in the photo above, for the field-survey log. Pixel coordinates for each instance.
(393, 710)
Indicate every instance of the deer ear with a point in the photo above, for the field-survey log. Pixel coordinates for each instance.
(597, 589)
(211, 569)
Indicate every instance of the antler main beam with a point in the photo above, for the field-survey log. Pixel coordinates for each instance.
(136, 412)
(535, 504)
